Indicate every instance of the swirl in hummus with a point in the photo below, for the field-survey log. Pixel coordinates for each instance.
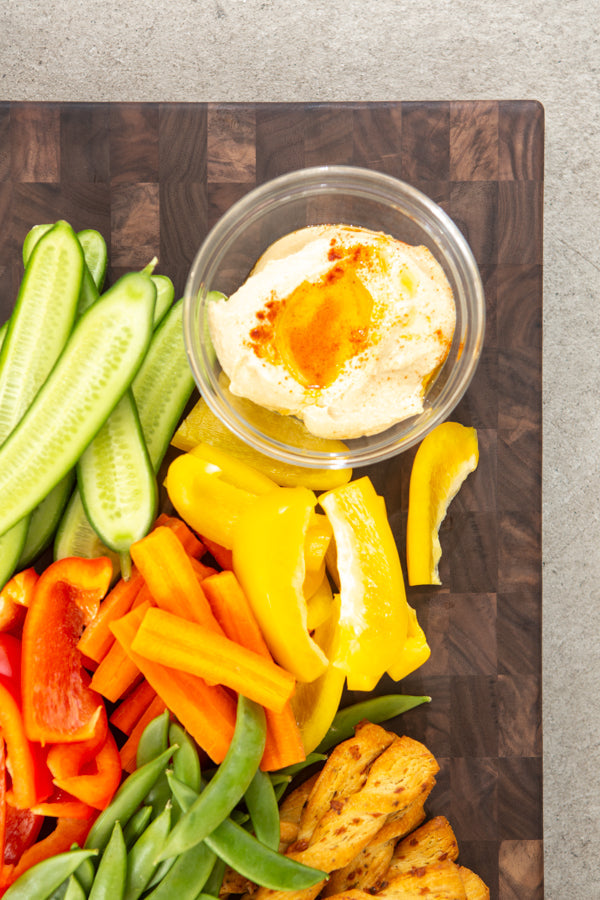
(340, 326)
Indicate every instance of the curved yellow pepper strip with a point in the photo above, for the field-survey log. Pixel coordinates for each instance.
(442, 462)
(374, 613)
(316, 704)
(415, 652)
(209, 504)
(268, 558)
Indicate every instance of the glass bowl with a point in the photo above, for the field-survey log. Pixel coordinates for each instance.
(330, 195)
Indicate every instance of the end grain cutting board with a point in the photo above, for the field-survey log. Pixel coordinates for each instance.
(153, 178)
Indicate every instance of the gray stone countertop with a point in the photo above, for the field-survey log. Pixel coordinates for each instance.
(269, 50)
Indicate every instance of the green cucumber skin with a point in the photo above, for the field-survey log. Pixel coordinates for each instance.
(41, 321)
(44, 520)
(76, 537)
(165, 294)
(94, 371)
(116, 480)
(163, 385)
(11, 547)
(31, 239)
(96, 255)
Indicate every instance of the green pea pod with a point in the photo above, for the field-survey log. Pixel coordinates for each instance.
(248, 856)
(376, 710)
(74, 890)
(109, 883)
(40, 881)
(85, 874)
(229, 784)
(259, 863)
(186, 762)
(127, 799)
(187, 875)
(154, 739)
(142, 861)
(136, 825)
(261, 803)
(212, 888)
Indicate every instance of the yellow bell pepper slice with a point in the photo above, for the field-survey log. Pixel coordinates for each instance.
(319, 605)
(442, 462)
(415, 652)
(203, 499)
(315, 704)
(268, 558)
(373, 611)
(201, 425)
(233, 470)
(318, 538)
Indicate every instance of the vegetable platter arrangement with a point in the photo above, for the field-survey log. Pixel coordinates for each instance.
(177, 631)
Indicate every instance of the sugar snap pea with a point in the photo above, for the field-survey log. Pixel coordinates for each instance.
(375, 709)
(142, 858)
(248, 856)
(74, 890)
(154, 739)
(127, 799)
(85, 873)
(137, 824)
(229, 784)
(40, 881)
(109, 883)
(212, 887)
(186, 761)
(187, 875)
(261, 803)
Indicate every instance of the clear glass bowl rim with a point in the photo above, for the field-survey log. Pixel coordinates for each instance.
(357, 182)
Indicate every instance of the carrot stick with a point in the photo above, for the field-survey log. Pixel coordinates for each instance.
(232, 610)
(193, 648)
(116, 673)
(170, 576)
(97, 638)
(192, 545)
(201, 570)
(221, 555)
(129, 749)
(131, 708)
(207, 712)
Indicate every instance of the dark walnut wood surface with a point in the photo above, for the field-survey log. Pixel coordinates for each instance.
(153, 178)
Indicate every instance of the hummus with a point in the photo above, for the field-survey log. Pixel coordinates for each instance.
(339, 326)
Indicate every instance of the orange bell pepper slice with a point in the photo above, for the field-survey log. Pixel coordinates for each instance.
(15, 597)
(58, 704)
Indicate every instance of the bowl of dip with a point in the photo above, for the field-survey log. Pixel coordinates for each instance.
(333, 317)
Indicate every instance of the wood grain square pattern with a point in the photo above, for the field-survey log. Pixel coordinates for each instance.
(153, 178)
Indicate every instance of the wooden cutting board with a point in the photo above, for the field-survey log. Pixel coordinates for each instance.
(153, 178)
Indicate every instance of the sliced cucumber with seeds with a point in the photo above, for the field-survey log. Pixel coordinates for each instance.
(76, 537)
(96, 254)
(165, 294)
(161, 389)
(41, 322)
(92, 374)
(163, 385)
(116, 480)
(44, 520)
(35, 335)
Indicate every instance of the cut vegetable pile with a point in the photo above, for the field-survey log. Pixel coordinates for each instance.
(169, 678)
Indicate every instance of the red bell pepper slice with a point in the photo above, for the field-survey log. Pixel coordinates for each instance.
(58, 704)
(30, 777)
(96, 784)
(10, 663)
(67, 832)
(22, 829)
(2, 802)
